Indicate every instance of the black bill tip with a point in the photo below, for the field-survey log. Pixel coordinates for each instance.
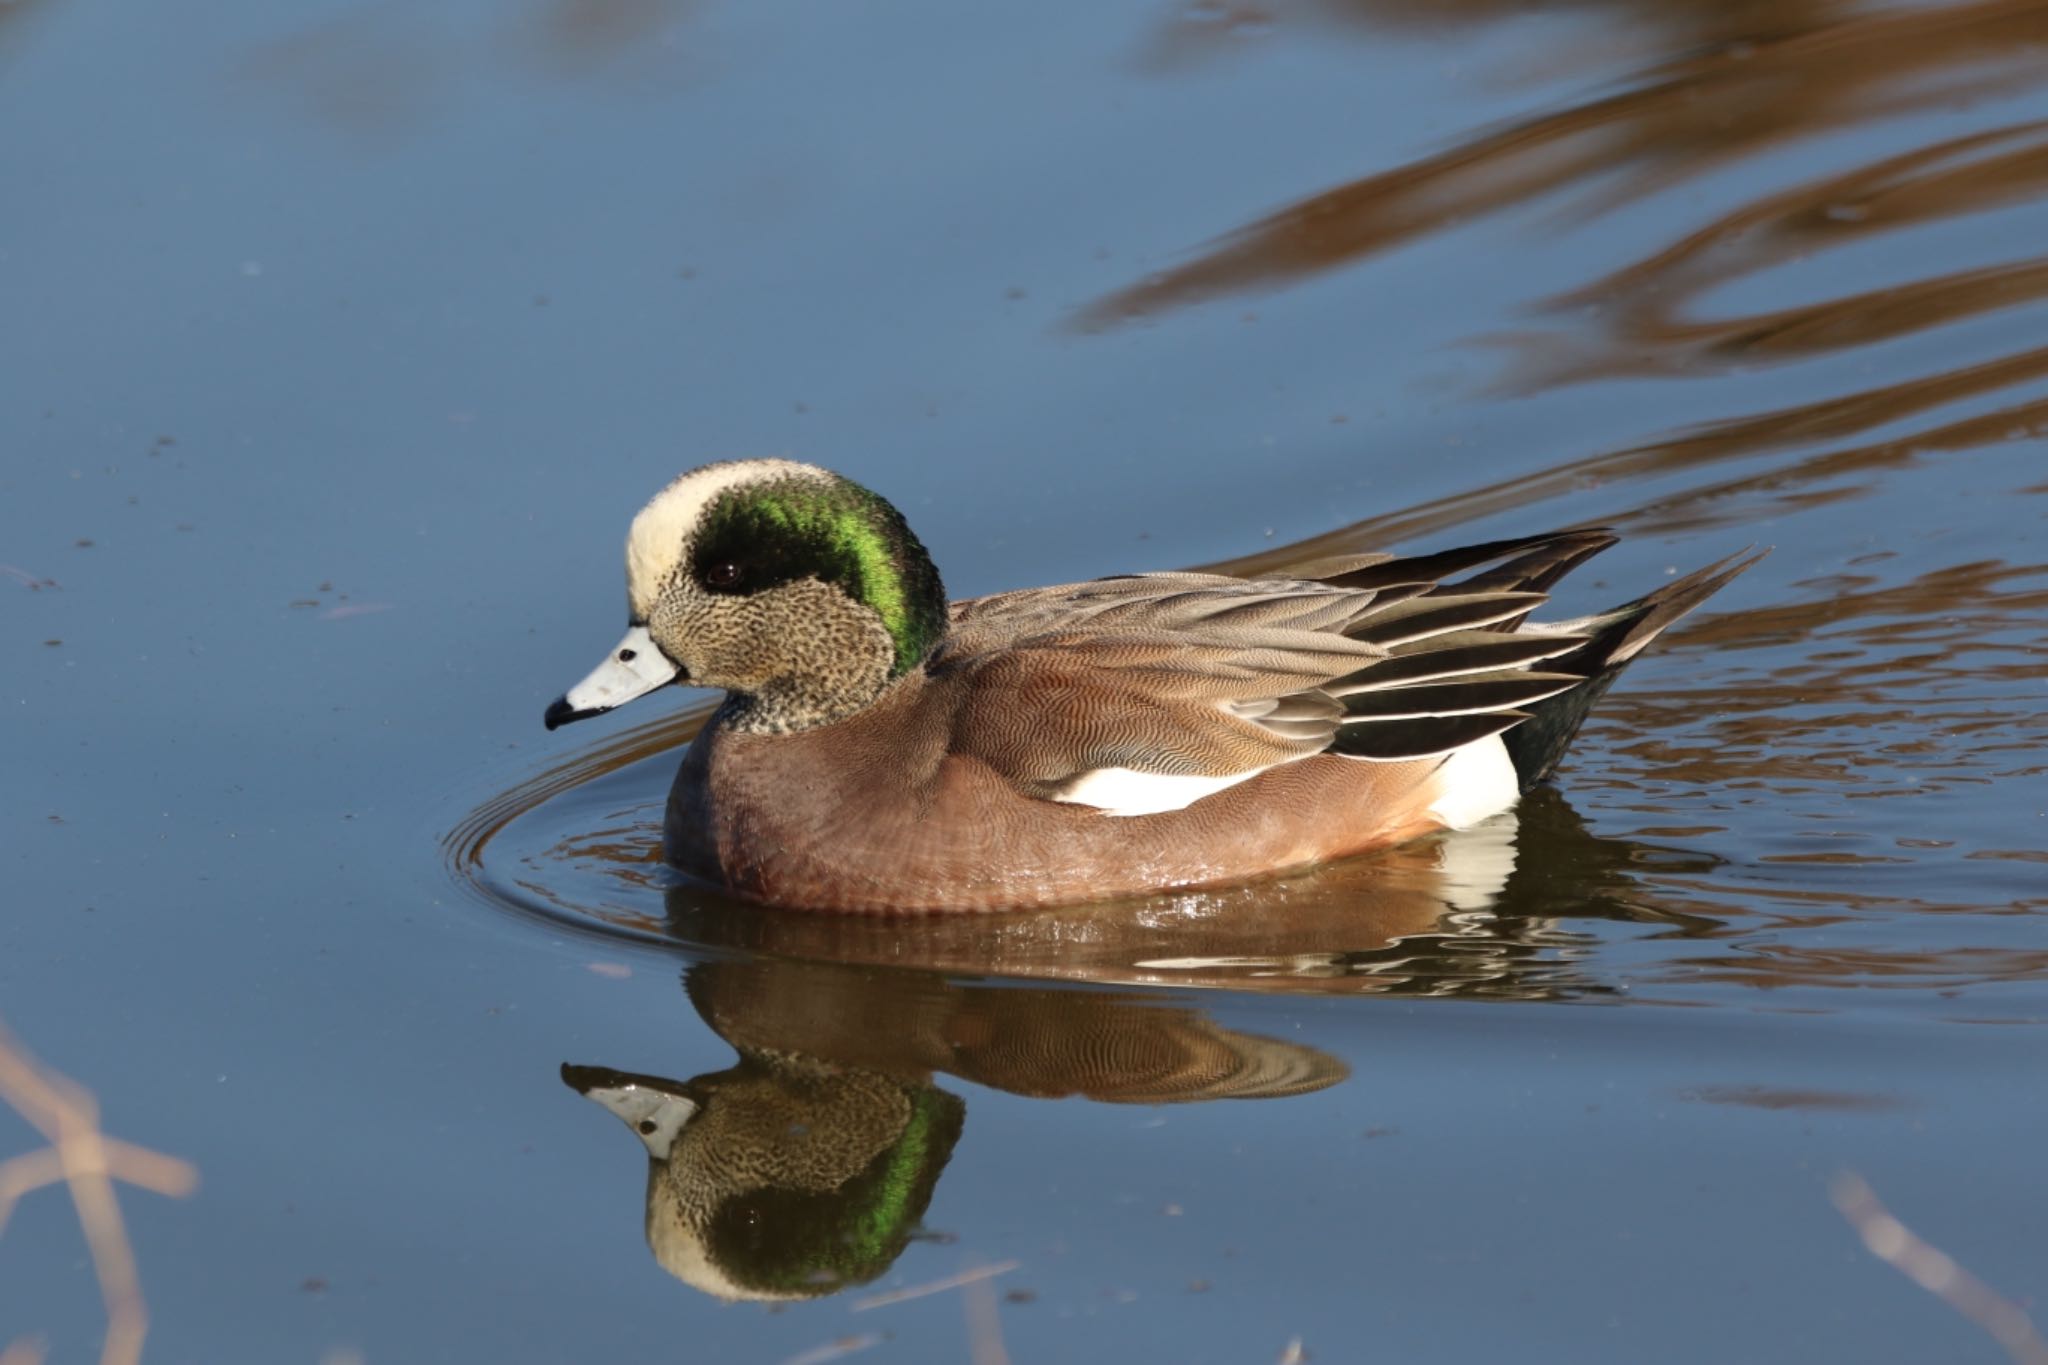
(584, 1079)
(560, 713)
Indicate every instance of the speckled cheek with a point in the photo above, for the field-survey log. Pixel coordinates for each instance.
(711, 637)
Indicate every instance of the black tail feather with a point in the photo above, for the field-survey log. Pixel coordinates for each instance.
(1613, 639)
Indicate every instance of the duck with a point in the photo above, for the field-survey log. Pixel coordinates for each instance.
(881, 750)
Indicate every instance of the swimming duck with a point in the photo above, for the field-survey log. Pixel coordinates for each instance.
(882, 750)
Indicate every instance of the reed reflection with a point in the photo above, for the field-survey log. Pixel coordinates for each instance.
(1746, 81)
(1736, 83)
(806, 1167)
(1207, 29)
(1753, 80)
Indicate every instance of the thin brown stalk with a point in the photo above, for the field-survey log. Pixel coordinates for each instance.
(87, 1163)
(1935, 1271)
(820, 1355)
(984, 1324)
(918, 1291)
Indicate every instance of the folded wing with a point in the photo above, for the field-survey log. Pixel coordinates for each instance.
(1144, 693)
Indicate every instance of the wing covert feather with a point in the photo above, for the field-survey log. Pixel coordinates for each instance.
(1206, 676)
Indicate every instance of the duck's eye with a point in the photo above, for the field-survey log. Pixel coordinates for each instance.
(723, 575)
(627, 656)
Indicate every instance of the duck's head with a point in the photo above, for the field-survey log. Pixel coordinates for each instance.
(800, 592)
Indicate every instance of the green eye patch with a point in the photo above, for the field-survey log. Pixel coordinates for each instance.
(837, 533)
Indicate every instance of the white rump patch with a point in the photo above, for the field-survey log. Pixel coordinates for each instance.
(1476, 781)
(655, 544)
(1126, 791)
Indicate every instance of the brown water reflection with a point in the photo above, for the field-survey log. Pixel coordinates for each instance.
(1206, 29)
(1643, 307)
(1750, 84)
(804, 1169)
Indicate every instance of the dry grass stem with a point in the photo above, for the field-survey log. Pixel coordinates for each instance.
(1935, 1271)
(819, 1355)
(984, 1324)
(88, 1163)
(918, 1291)
(152, 1171)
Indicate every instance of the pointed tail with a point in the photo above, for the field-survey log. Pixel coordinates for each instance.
(1614, 638)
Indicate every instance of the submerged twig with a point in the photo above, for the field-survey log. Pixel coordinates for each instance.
(820, 1355)
(1935, 1271)
(984, 1324)
(918, 1291)
(85, 1160)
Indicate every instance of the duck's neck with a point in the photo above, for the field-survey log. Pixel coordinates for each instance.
(792, 705)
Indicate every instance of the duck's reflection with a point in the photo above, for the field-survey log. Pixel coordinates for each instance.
(784, 1177)
(805, 1168)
